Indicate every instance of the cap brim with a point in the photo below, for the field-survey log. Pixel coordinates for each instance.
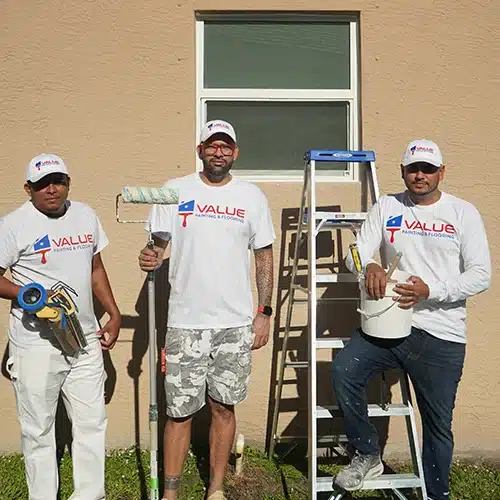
(37, 178)
(437, 165)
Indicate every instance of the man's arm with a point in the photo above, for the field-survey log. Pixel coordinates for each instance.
(264, 279)
(264, 275)
(475, 253)
(474, 279)
(8, 290)
(102, 290)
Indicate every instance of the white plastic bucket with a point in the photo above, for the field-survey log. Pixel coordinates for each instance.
(383, 318)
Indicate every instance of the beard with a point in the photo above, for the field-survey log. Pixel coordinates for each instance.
(217, 168)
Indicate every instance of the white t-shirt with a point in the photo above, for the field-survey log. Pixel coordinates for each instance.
(212, 231)
(52, 252)
(445, 244)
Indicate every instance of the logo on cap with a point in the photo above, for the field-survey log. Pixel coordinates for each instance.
(44, 163)
(218, 125)
(421, 149)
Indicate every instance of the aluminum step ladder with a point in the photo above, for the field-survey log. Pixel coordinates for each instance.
(313, 222)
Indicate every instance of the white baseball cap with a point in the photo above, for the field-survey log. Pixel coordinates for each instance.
(217, 127)
(423, 150)
(43, 165)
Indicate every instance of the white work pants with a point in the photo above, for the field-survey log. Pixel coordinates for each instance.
(39, 374)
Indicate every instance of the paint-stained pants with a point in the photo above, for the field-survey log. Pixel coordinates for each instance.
(434, 367)
(39, 375)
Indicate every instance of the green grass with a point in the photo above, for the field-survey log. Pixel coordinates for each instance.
(261, 479)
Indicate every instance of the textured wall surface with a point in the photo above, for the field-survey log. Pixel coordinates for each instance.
(110, 86)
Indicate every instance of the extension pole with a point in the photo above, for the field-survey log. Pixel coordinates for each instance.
(153, 404)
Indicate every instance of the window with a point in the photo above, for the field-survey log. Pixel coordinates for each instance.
(287, 82)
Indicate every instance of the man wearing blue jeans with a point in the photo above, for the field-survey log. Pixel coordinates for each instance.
(445, 249)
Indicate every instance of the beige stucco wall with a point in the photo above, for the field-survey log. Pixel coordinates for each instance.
(110, 86)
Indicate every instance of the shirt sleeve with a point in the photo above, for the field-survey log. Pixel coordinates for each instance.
(9, 252)
(369, 238)
(262, 226)
(100, 239)
(475, 253)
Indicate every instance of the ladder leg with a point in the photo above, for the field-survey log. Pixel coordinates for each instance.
(411, 426)
(312, 324)
(284, 347)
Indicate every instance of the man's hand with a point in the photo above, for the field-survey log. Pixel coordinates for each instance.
(109, 333)
(412, 292)
(375, 281)
(261, 328)
(149, 258)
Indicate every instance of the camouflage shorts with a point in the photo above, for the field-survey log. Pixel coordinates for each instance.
(220, 359)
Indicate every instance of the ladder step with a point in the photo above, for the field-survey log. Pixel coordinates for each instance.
(332, 343)
(336, 278)
(297, 342)
(373, 411)
(342, 216)
(297, 364)
(384, 482)
(322, 440)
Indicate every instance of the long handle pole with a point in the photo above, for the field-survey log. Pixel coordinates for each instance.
(153, 405)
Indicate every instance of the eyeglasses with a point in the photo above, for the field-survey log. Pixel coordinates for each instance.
(211, 149)
(425, 168)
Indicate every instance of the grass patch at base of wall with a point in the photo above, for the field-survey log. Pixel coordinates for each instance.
(127, 479)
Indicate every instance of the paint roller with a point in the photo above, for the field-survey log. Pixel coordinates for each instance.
(145, 196)
(150, 196)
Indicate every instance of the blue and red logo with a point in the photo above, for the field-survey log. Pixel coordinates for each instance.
(186, 209)
(210, 211)
(393, 225)
(42, 246)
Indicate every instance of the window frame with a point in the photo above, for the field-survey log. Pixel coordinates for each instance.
(349, 96)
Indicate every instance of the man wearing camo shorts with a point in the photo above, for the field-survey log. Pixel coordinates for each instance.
(212, 327)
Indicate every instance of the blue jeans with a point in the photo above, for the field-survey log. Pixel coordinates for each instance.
(434, 367)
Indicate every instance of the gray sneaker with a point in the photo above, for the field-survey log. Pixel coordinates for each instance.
(362, 467)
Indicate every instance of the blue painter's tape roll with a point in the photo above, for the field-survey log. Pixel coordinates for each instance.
(32, 297)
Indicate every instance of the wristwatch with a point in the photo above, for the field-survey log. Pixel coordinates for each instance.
(267, 310)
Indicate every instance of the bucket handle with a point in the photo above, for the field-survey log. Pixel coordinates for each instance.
(379, 313)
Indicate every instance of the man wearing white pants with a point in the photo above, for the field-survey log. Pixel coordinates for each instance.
(57, 243)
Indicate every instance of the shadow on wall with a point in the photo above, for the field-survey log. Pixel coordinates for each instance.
(138, 370)
(334, 319)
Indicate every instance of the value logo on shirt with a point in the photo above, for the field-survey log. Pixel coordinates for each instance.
(416, 228)
(393, 225)
(42, 246)
(210, 211)
(62, 244)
